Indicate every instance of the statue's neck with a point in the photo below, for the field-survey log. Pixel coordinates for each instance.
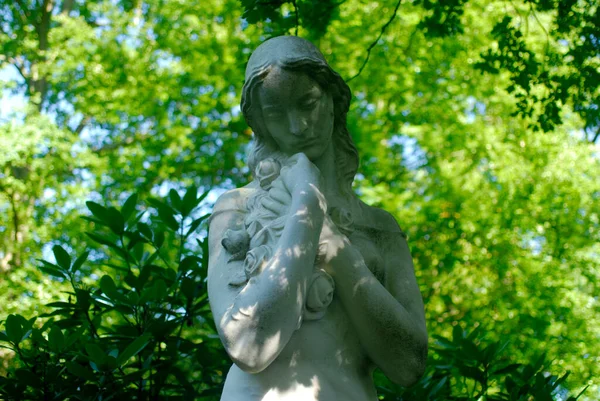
(331, 187)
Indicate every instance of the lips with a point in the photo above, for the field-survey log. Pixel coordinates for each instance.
(306, 144)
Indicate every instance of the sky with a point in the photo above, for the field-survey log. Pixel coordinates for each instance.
(9, 103)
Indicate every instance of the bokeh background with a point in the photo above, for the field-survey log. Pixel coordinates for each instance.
(476, 121)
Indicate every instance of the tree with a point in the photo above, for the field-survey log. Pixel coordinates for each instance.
(476, 122)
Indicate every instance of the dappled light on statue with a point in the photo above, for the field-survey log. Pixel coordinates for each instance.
(310, 288)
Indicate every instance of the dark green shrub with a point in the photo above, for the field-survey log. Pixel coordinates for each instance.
(143, 332)
(467, 367)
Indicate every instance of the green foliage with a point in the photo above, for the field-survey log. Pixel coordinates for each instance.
(467, 367)
(141, 332)
(476, 123)
(147, 332)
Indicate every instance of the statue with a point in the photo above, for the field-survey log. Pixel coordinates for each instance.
(310, 288)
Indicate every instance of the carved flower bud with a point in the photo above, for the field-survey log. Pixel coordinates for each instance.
(319, 296)
(256, 259)
(342, 219)
(236, 242)
(266, 172)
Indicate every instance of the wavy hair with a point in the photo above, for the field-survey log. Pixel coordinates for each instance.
(346, 155)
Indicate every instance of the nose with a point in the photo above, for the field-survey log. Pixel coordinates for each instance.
(297, 123)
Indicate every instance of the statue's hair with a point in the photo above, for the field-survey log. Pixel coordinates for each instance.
(346, 156)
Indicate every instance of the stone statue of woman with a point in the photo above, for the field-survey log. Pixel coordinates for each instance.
(310, 288)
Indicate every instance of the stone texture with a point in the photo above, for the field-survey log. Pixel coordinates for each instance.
(310, 288)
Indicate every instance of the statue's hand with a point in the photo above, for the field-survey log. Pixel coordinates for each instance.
(299, 174)
(279, 199)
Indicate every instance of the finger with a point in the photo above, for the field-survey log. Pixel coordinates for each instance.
(274, 206)
(280, 195)
(279, 184)
(284, 170)
(298, 157)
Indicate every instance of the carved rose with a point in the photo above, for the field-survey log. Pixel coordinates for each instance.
(319, 296)
(255, 259)
(343, 220)
(266, 172)
(236, 243)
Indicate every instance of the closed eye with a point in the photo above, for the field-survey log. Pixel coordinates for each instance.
(309, 103)
(272, 112)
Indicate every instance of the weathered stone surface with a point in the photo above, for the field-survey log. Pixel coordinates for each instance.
(311, 289)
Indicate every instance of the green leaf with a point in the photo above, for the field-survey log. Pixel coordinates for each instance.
(437, 387)
(507, 369)
(80, 371)
(110, 363)
(444, 343)
(61, 305)
(97, 355)
(472, 372)
(14, 330)
(116, 221)
(190, 200)
(188, 263)
(175, 199)
(74, 336)
(133, 349)
(93, 220)
(145, 230)
(51, 269)
(134, 239)
(25, 376)
(108, 242)
(202, 197)
(159, 239)
(143, 277)
(80, 261)
(134, 298)
(99, 211)
(188, 288)
(457, 334)
(161, 290)
(167, 215)
(579, 395)
(129, 206)
(101, 239)
(56, 339)
(62, 257)
(107, 285)
(195, 224)
(83, 299)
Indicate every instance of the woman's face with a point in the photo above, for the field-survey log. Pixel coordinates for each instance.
(297, 112)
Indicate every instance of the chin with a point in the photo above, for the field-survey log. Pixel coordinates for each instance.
(314, 152)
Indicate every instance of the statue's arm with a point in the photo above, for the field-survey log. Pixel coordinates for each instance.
(389, 317)
(256, 321)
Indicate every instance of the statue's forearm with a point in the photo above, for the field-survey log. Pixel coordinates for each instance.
(268, 309)
(394, 339)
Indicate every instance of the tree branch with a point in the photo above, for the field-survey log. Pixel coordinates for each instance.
(597, 135)
(411, 40)
(297, 16)
(131, 140)
(67, 6)
(532, 11)
(23, 11)
(81, 125)
(19, 68)
(383, 28)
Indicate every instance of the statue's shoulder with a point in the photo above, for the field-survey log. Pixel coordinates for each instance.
(233, 200)
(378, 219)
